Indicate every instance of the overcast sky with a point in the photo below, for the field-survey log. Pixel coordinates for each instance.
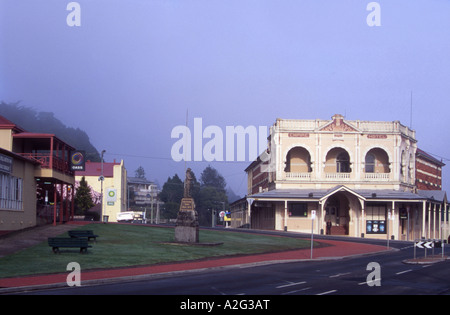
(133, 68)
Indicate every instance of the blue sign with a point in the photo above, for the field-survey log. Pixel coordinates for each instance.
(376, 226)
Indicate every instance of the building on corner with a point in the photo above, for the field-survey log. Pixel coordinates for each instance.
(114, 186)
(360, 178)
(36, 183)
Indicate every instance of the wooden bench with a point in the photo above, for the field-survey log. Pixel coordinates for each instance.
(89, 234)
(58, 242)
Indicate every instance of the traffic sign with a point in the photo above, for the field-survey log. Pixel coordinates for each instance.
(423, 244)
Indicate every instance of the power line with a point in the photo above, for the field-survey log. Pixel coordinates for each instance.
(169, 158)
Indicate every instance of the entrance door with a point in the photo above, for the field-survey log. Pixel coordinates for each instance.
(337, 215)
(263, 217)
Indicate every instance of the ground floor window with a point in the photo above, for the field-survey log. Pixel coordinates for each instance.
(10, 192)
(298, 210)
(376, 219)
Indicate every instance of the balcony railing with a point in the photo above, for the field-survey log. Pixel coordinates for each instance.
(49, 162)
(373, 177)
(337, 176)
(298, 176)
(377, 176)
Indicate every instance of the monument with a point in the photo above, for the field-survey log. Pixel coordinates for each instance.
(186, 229)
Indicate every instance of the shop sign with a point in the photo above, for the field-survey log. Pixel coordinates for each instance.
(77, 161)
(6, 163)
(376, 226)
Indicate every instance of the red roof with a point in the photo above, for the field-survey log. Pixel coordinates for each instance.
(429, 157)
(7, 124)
(95, 169)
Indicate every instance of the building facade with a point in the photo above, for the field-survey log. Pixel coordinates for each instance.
(114, 186)
(359, 178)
(36, 183)
(143, 196)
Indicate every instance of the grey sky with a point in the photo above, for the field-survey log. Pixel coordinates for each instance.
(128, 74)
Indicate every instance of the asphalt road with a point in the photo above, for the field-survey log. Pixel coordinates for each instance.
(350, 276)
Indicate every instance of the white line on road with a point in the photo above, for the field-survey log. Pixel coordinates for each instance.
(339, 274)
(369, 282)
(328, 292)
(290, 284)
(295, 291)
(402, 272)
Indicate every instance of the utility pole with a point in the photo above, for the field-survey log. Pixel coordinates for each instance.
(101, 179)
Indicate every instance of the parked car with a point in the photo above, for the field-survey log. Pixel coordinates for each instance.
(125, 216)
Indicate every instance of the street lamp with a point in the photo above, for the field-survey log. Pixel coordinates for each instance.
(101, 179)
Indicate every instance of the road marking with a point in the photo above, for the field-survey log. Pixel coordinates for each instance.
(340, 274)
(402, 272)
(328, 292)
(290, 284)
(295, 291)
(367, 282)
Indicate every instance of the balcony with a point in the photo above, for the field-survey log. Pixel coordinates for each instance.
(49, 151)
(377, 176)
(297, 176)
(337, 176)
(49, 162)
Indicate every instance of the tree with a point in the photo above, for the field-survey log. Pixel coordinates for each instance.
(140, 172)
(208, 195)
(45, 122)
(210, 199)
(171, 195)
(83, 198)
(212, 195)
(212, 178)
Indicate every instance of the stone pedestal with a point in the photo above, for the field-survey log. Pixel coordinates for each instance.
(186, 229)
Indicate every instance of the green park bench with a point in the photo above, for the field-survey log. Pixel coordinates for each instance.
(58, 242)
(89, 234)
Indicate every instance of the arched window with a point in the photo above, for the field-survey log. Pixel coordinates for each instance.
(298, 160)
(337, 161)
(370, 163)
(343, 163)
(377, 161)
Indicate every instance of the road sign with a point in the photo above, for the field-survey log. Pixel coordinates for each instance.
(313, 214)
(424, 244)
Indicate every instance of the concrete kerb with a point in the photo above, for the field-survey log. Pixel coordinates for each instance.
(424, 261)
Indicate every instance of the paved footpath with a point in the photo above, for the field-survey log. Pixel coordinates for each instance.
(335, 250)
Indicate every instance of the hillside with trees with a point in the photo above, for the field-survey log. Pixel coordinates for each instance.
(45, 122)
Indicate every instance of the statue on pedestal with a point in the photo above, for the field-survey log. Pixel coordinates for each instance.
(186, 229)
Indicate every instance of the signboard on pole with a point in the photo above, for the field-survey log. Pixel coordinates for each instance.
(111, 195)
(424, 244)
(77, 161)
(313, 216)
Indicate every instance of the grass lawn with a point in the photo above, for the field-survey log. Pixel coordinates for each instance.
(120, 245)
